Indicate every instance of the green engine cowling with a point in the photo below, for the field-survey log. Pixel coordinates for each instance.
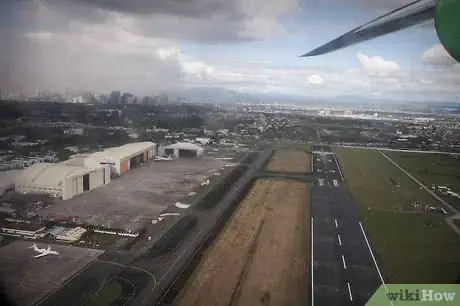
(447, 23)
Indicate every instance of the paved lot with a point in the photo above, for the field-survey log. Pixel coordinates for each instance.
(28, 279)
(138, 195)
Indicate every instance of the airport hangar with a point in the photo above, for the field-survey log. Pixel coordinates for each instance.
(181, 149)
(82, 172)
(121, 159)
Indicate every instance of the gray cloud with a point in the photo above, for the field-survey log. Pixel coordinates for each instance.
(436, 55)
(134, 46)
(184, 8)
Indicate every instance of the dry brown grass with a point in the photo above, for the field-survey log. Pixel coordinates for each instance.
(262, 257)
(293, 161)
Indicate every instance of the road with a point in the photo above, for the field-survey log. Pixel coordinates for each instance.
(344, 269)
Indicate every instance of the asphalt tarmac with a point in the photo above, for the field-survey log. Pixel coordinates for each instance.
(344, 270)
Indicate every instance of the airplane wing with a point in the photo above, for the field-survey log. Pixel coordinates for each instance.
(40, 255)
(409, 15)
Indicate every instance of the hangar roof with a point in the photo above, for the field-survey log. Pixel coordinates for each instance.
(184, 146)
(124, 151)
(47, 175)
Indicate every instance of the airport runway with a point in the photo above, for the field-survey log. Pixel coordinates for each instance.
(344, 270)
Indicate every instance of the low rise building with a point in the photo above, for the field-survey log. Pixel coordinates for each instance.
(71, 234)
(65, 180)
(25, 230)
(181, 149)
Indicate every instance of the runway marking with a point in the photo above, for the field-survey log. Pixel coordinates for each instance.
(312, 285)
(340, 240)
(312, 163)
(375, 262)
(343, 261)
(338, 167)
(349, 292)
(336, 224)
(335, 183)
(134, 289)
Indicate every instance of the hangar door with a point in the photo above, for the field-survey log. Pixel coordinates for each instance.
(187, 153)
(86, 182)
(136, 161)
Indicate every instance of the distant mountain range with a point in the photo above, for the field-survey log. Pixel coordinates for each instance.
(222, 95)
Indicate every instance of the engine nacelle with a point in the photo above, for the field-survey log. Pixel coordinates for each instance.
(447, 23)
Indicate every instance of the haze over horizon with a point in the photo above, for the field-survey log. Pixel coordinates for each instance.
(144, 46)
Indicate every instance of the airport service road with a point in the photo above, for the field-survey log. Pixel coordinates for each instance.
(344, 269)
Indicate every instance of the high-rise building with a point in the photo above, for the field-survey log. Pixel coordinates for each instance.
(127, 98)
(115, 97)
(104, 99)
(163, 99)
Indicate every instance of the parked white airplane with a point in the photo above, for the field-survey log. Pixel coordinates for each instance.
(43, 252)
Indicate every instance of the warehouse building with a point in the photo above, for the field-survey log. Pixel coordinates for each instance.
(121, 159)
(31, 231)
(181, 149)
(63, 180)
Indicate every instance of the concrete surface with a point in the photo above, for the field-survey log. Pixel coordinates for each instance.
(139, 194)
(28, 279)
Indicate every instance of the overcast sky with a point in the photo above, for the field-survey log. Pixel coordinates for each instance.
(145, 46)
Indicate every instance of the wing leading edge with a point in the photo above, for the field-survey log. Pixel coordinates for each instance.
(406, 16)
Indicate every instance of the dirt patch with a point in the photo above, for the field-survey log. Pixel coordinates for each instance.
(262, 257)
(289, 161)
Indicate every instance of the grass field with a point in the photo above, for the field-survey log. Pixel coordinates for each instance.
(437, 169)
(101, 241)
(293, 161)
(411, 246)
(262, 256)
